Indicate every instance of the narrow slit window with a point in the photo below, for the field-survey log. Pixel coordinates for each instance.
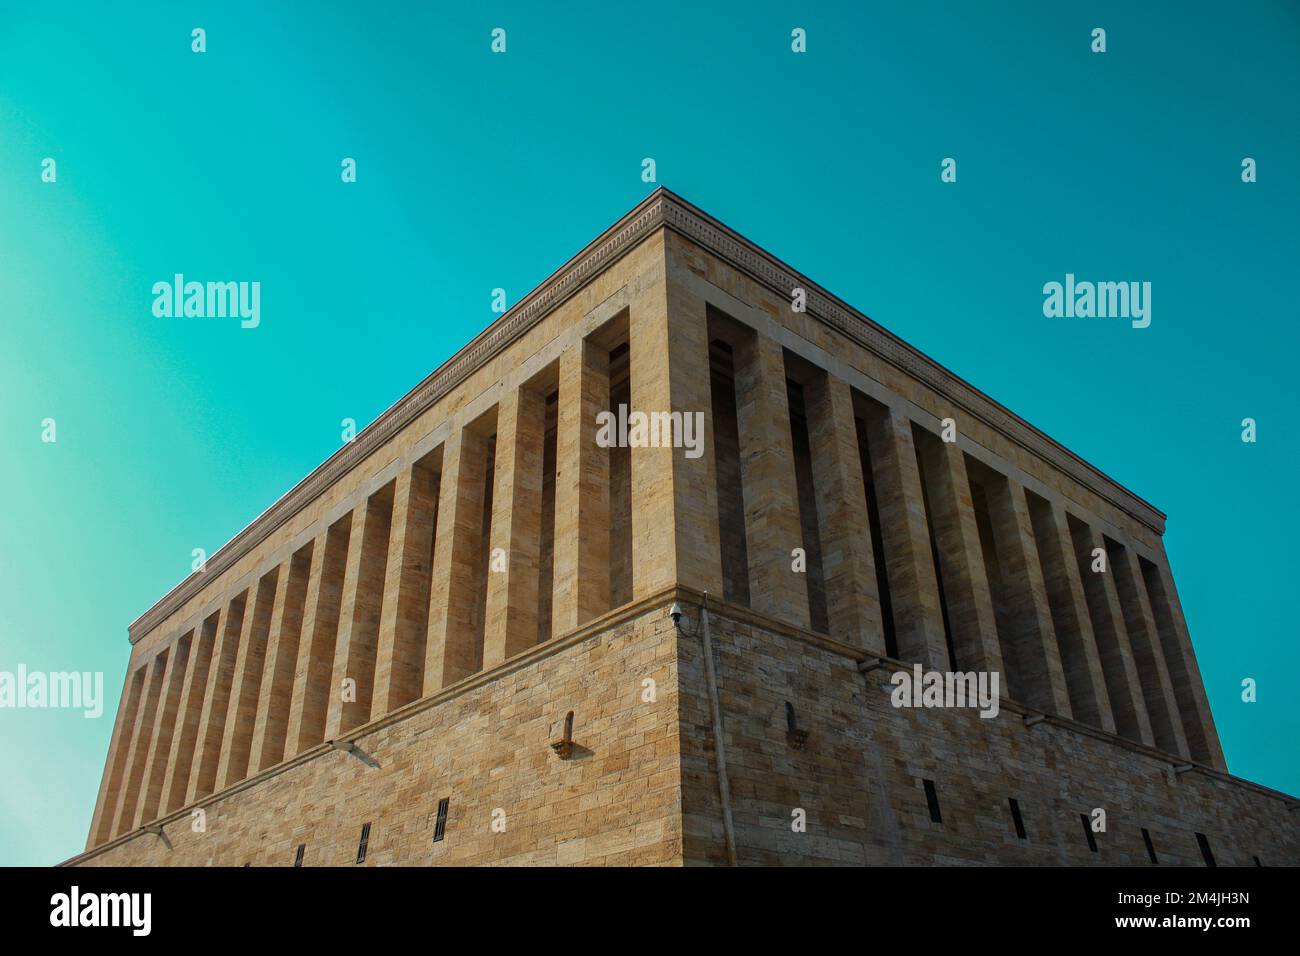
(932, 799)
(1151, 848)
(297, 859)
(1206, 852)
(1016, 818)
(1087, 831)
(1258, 861)
(440, 827)
(364, 844)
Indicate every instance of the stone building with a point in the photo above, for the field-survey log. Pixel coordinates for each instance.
(453, 641)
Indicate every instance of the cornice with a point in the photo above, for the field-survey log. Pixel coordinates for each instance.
(661, 209)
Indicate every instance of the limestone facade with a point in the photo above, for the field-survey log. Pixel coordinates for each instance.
(469, 603)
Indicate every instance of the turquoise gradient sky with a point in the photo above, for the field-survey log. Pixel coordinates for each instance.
(477, 171)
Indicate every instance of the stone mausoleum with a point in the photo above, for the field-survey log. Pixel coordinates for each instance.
(454, 642)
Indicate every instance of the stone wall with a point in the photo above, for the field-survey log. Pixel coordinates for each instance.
(859, 774)
(642, 788)
(485, 745)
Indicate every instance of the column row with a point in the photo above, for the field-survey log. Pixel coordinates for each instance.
(516, 528)
(839, 514)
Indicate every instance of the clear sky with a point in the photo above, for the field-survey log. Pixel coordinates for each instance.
(478, 171)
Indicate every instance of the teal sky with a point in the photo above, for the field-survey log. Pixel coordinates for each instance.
(478, 170)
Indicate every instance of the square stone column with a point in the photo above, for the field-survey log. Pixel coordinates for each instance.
(510, 621)
(452, 650)
(244, 694)
(1122, 683)
(363, 595)
(961, 558)
(216, 701)
(1148, 656)
(155, 770)
(141, 735)
(101, 824)
(309, 707)
(905, 533)
(848, 564)
(769, 486)
(582, 553)
(182, 758)
(1029, 613)
(1089, 700)
(404, 624)
(674, 498)
(1198, 721)
(272, 718)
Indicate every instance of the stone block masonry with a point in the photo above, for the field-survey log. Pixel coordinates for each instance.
(485, 745)
(859, 776)
(469, 603)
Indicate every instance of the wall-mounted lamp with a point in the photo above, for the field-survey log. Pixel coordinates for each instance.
(564, 746)
(350, 747)
(793, 734)
(157, 830)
